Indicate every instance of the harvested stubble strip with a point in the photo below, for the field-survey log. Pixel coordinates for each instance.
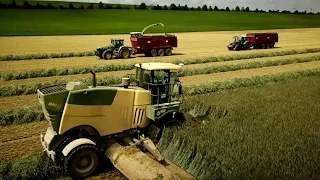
(193, 85)
(12, 57)
(207, 68)
(130, 65)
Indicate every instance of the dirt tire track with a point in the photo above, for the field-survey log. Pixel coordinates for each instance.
(19, 147)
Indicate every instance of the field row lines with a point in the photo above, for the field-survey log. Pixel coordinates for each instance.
(22, 73)
(27, 100)
(17, 87)
(200, 84)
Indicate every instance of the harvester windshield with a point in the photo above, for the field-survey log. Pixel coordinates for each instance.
(159, 78)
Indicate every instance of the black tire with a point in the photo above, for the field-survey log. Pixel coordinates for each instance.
(155, 130)
(272, 45)
(125, 53)
(168, 52)
(237, 47)
(154, 52)
(247, 46)
(268, 46)
(263, 46)
(82, 154)
(174, 123)
(106, 55)
(161, 52)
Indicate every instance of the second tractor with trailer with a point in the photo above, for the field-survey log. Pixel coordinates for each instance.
(82, 118)
(254, 40)
(152, 45)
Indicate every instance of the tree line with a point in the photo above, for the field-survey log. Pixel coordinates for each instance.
(143, 6)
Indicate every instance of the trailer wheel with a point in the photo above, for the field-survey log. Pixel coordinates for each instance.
(161, 52)
(268, 46)
(154, 53)
(272, 45)
(82, 161)
(107, 55)
(168, 52)
(263, 46)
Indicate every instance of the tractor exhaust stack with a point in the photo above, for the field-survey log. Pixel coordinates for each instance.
(94, 81)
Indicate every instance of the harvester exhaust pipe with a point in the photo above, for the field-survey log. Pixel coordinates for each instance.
(125, 82)
(94, 81)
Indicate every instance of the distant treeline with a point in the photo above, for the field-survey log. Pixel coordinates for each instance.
(142, 6)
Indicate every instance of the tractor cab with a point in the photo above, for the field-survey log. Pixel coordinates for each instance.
(117, 42)
(240, 39)
(160, 79)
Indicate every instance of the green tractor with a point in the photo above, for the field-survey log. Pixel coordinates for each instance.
(239, 43)
(117, 49)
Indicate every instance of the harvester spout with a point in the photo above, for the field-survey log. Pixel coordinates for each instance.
(94, 81)
(156, 24)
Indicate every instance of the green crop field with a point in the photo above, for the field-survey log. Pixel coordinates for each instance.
(65, 4)
(103, 21)
(269, 132)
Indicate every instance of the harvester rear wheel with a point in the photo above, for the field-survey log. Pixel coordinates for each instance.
(125, 53)
(82, 161)
(168, 52)
(161, 52)
(154, 53)
(107, 55)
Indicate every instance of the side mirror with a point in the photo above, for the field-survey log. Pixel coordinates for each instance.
(180, 89)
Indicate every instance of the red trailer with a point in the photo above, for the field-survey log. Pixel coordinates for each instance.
(262, 40)
(255, 40)
(156, 45)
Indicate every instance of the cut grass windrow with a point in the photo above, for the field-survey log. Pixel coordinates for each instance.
(10, 117)
(44, 56)
(13, 90)
(31, 166)
(130, 66)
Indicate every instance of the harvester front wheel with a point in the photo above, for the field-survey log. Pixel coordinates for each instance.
(107, 55)
(82, 161)
(154, 53)
(168, 52)
(161, 52)
(125, 53)
(174, 123)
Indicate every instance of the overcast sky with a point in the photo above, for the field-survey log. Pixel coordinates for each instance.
(291, 5)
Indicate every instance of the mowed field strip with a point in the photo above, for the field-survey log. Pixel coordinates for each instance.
(124, 72)
(13, 102)
(193, 44)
